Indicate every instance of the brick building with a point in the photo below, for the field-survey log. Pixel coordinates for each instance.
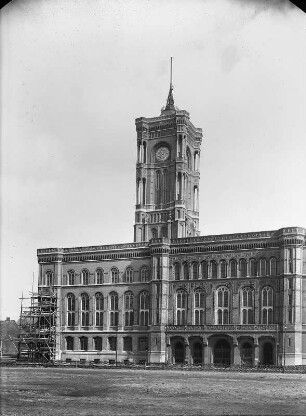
(172, 295)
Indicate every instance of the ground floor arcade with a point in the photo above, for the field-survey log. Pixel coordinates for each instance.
(222, 349)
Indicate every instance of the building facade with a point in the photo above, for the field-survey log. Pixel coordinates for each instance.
(173, 296)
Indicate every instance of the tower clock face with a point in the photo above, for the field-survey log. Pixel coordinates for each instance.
(162, 154)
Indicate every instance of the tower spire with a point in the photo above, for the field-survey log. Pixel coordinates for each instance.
(170, 99)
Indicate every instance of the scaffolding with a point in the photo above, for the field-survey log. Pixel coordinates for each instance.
(37, 324)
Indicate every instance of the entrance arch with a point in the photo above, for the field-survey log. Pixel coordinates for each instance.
(267, 354)
(247, 354)
(197, 353)
(222, 352)
(179, 353)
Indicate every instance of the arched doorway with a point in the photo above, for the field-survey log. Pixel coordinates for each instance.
(179, 353)
(247, 354)
(197, 353)
(267, 354)
(222, 352)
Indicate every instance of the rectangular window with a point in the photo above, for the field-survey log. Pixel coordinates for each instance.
(127, 344)
(112, 341)
(98, 343)
(143, 344)
(84, 343)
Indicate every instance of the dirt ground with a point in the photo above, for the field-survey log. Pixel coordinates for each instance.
(81, 391)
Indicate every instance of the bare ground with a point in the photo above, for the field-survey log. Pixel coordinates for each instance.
(82, 391)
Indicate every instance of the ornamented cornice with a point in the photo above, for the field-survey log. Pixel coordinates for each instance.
(223, 328)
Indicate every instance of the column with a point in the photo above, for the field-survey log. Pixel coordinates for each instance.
(169, 353)
(256, 353)
(205, 353)
(187, 353)
(237, 358)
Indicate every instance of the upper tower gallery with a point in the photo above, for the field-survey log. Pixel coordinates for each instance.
(167, 175)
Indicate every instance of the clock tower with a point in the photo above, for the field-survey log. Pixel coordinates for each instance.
(167, 175)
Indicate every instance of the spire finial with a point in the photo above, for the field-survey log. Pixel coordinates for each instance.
(170, 99)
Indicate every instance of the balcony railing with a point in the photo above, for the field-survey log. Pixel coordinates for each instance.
(224, 328)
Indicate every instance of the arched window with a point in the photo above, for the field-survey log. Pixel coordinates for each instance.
(262, 267)
(129, 310)
(158, 188)
(186, 271)
(144, 308)
(143, 198)
(154, 232)
(70, 309)
(165, 186)
(84, 309)
(99, 303)
(83, 343)
(177, 271)
(223, 268)
(272, 266)
(129, 275)
(222, 306)
(214, 269)
(204, 269)
(115, 275)
(114, 309)
(247, 306)
(253, 268)
(179, 186)
(267, 305)
(195, 199)
(71, 278)
(195, 270)
(233, 268)
(243, 267)
(99, 276)
(188, 158)
(49, 278)
(69, 343)
(199, 307)
(181, 307)
(85, 277)
(144, 152)
(164, 232)
(144, 274)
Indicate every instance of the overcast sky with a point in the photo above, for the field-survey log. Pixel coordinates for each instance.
(76, 74)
